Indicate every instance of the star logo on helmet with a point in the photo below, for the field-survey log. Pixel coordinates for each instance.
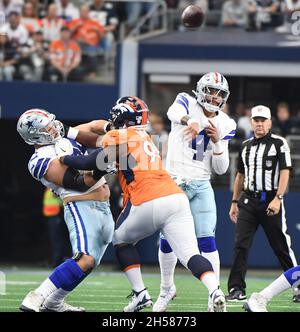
(29, 124)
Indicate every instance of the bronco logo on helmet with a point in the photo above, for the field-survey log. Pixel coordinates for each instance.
(129, 111)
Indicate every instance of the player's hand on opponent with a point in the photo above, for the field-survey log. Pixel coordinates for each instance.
(212, 132)
(63, 147)
(274, 207)
(233, 213)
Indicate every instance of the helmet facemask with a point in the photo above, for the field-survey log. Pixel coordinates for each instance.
(212, 92)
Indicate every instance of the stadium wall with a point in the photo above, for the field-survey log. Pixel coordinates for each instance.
(74, 101)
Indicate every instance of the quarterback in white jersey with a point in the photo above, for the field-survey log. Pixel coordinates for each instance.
(198, 145)
(86, 208)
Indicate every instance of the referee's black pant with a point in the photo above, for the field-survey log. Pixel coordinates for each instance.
(252, 213)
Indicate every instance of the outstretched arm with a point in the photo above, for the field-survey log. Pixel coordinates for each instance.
(88, 134)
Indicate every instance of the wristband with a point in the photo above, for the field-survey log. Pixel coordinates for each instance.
(72, 133)
(190, 121)
(218, 148)
(234, 201)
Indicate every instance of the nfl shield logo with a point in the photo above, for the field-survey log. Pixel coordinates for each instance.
(269, 163)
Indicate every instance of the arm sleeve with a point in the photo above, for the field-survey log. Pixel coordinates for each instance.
(74, 180)
(285, 161)
(81, 162)
(220, 162)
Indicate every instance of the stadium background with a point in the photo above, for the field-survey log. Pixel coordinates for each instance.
(154, 61)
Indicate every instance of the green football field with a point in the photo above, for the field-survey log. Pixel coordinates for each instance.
(107, 291)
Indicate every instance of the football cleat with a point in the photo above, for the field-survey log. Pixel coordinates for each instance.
(216, 301)
(164, 299)
(139, 301)
(236, 295)
(60, 307)
(32, 302)
(256, 303)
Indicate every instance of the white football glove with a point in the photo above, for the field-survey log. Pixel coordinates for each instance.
(63, 147)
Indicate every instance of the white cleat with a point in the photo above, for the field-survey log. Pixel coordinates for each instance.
(256, 303)
(139, 301)
(216, 301)
(164, 298)
(60, 307)
(32, 302)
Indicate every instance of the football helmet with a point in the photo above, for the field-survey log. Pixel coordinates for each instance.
(129, 111)
(212, 91)
(37, 126)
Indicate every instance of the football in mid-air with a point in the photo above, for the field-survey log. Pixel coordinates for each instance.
(192, 17)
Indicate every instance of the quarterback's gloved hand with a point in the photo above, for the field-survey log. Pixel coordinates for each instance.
(63, 147)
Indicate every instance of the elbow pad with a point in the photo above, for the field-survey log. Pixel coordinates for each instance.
(74, 180)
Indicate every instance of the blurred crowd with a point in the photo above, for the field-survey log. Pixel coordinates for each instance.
(55, 40)
(65, 40)
(252, 15)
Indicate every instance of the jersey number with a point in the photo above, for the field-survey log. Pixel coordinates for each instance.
(199, 145)
(151, 150)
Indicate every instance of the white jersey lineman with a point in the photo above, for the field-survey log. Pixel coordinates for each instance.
(40, 161)
(88, 235)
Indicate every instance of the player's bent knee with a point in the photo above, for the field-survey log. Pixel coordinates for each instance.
(127, 256)
(86, 262)
(199, 265)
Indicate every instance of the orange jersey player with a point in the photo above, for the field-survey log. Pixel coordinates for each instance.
(141, 173)
(152, 200)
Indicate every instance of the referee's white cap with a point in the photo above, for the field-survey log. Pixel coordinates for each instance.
(261, 111)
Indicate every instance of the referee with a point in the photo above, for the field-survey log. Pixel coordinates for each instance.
(263, 174)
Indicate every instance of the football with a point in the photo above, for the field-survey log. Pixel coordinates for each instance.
(192, 17)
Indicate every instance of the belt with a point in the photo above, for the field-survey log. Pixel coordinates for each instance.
(261, 195)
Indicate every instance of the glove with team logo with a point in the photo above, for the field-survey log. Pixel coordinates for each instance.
(63, 147)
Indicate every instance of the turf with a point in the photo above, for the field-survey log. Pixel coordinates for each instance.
(107, 291)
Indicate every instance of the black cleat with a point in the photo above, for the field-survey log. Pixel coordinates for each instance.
(236, 295)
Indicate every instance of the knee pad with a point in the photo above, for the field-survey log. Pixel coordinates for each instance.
(127, 256)
(207, 244)
(164, 246)
(293, 276)
(199, 265)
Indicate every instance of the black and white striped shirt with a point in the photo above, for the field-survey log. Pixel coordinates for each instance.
(261, 160)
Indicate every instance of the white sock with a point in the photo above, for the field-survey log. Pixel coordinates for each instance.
(167, 264)
(134, 276)
(56, 297)
(46, 288)
(214, 259)
(210, 281)
(276, 287)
